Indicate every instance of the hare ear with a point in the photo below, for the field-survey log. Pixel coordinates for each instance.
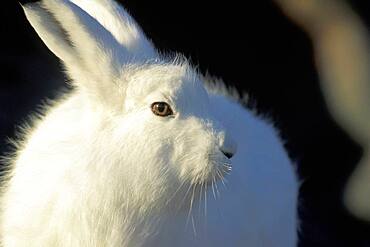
(74, 36)
(50, 31)
(120, 24)
(92, 55)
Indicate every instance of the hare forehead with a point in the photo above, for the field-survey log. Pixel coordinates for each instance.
(175, 81)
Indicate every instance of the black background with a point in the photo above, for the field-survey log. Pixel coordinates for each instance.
(251, 45)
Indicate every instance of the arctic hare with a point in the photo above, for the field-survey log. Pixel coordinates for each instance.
(142, 152)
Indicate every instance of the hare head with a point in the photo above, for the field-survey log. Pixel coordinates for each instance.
(149, 118)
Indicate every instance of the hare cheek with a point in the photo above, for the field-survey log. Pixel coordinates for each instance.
(197, 167)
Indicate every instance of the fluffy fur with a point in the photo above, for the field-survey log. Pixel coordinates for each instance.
(100, 169)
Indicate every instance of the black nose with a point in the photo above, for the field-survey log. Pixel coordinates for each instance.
(228, 154)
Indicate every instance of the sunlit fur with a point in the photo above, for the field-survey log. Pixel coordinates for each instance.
(100, 169)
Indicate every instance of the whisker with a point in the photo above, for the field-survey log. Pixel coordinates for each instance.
(174, 194)
(227, 165)
(216, 186)
(185, 196)
(221, 177)
(213, 187)
(193, 223)
(224, 179)
(205, 225)
(205, 201)
(200, 197)
(191, 205)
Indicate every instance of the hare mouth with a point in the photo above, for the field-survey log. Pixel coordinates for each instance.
(221, 170)
(221, 166)
(213, 181)
(218, 172)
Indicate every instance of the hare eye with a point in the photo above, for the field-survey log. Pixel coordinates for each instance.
(161, 109)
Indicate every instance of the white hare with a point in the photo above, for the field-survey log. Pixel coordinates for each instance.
(138, 152)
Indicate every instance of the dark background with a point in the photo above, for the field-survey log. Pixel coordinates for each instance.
(251, 45)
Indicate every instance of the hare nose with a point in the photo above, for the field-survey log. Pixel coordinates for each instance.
(229, 155)
(228, 146)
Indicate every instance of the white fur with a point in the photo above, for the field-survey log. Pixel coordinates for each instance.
(100, 169)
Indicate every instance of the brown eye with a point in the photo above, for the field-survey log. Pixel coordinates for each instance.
(161, 109)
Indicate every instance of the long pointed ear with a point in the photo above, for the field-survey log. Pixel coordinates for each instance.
(120, 24)
(50, 32)
(76, 38)
(92, 55)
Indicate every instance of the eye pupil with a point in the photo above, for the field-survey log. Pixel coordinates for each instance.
(161, 109)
